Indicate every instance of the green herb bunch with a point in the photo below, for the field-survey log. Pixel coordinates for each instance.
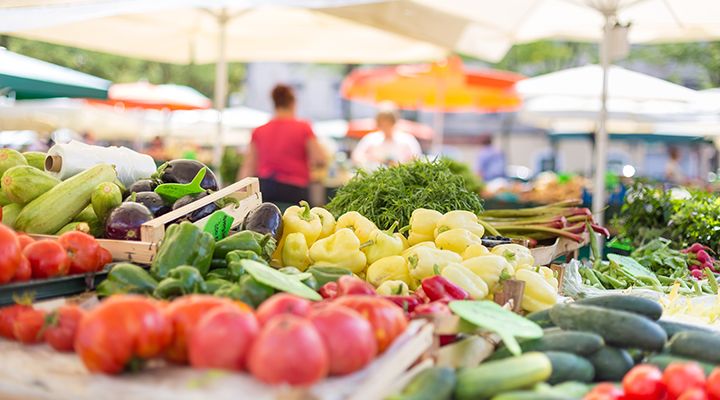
(391, 194)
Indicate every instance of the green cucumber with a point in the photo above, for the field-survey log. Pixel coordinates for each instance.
(104, 198)
(23, 183)
(617, 328)
(435, 383)
(633, 304)
(541, 318)
(530, 395)
(495, 377)
(580, 343)
(55, 208)
(35, 159)
(10, 213)
(672, 328)
(569, 367)
(696, 345)
(611, 364)
(663, 360)
(10, 158)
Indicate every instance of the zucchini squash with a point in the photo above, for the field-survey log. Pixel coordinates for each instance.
(495, 377)
(23, 183)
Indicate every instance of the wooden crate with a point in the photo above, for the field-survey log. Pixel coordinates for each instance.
(562, 247)
(39, 373)
(246, 192)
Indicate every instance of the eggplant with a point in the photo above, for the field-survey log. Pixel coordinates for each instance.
(199, 213)
(265, 218)
(152, 201)
(184, 171)
(125, 220)
(143, 185)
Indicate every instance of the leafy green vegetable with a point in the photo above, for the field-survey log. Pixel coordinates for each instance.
(277, 280)
(391, 194)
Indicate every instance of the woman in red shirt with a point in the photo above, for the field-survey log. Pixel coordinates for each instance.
(282, 152)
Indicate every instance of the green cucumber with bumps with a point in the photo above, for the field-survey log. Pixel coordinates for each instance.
(57, 207)
(580, 343)
(672, 328)
(611, 364)
(696, 345)
(633, 304)
(569, 367)
(542, 318)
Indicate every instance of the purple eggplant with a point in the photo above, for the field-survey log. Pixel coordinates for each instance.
(199, 213)
(152, 201)
(265, 218)
(143, 185)
(125, 220)
(184, 171)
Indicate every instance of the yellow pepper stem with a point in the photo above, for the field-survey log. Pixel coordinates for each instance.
(305, 213)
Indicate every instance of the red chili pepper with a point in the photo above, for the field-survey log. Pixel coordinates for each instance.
(601, 230)
(420, 294)
(433, 308)
(408, 303)
(329, 290)
(351, 285)
(438, 288)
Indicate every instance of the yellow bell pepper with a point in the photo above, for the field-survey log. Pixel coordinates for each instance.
(295, 251)
(426, 261)
(361, 226)
(383, 244)
(327, 221)
(490, 268)
(517, 255)
(422, 226)
(475, 250)
(457, 240)
(539, 294)
(300, 219)
(393, 268)
(415, 246)
(550, 277)
(459, 219)
(393, 288)
(341, 249)
(276, 258)
(466, 279)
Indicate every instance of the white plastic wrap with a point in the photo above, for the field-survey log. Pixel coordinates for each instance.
(77, 157)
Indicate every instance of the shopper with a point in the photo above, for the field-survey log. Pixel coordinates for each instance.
(282, 152)
(490, 160)
(388, 145)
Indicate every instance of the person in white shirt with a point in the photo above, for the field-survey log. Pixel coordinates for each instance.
(387, 145)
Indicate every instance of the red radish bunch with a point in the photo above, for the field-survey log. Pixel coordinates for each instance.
(699, 259)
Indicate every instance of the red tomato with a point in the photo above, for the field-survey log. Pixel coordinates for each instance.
(10, 254)
(643, 382)
(712, 386)
(282, 303)
(605, 391)
(288, 350)
(680, 377)
(8, 314)
(386, 318)
(184, 314)
(82, 249)
(28, 325)
(104, 257)
(23, 272)
(24, 240)
(348, 338)
(47, 259)
(222, 338)
(62, 327)
(121, 329)
(693, 394)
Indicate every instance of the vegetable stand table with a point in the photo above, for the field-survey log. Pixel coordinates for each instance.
(39, 373)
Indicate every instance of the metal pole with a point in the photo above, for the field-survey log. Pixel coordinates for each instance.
(439, 119)
(221, 83)
(601, 136)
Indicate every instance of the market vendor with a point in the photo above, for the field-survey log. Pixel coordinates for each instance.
(387, 145)
(282, 152)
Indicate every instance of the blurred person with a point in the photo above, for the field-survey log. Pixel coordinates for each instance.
(156, 149)
(490, 160)
(88, 138)
(673, 170)
(282, 152)
(388, 145)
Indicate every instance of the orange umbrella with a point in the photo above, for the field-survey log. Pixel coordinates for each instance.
(443, 86)
(159, 97)
(358, 128)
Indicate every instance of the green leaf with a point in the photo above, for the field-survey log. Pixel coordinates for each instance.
(277, 280)
(491, 317)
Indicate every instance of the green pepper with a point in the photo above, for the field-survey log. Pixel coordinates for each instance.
(214, 284)
(183, 244)
(306, 277)
(220, 273)
(235, 271)
(217, 263)
(248, 290)
(182, 280)
(243, 240)
(127, 278)
(324, 274)
(237, 255)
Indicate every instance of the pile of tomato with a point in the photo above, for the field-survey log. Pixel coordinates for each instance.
(679, 381)
(22, 258)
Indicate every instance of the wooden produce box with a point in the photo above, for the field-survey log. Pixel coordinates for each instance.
(39, 373)
(545, 255)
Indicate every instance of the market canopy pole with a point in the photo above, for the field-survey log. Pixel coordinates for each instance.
(221, 82)
(601, 136)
